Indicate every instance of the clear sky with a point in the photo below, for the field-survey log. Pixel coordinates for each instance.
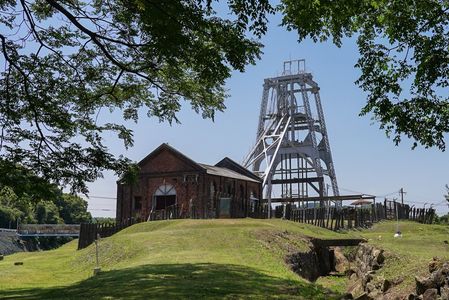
(365, 160)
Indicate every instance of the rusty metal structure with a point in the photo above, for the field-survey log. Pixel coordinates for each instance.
(292, 153)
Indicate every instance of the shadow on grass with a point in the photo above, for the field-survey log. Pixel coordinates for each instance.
(178, 281)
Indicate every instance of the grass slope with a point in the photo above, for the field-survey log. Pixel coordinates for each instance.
(213, 259)
(408, 256)
(189, 259)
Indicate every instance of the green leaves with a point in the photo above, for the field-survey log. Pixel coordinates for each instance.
(404, 58)
(70, 62)
(73, 209)
(33, 199)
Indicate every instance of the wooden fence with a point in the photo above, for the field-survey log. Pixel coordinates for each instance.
(237, 210)
(333, 218)
(175, 212)
(90, 232)
(336, 218)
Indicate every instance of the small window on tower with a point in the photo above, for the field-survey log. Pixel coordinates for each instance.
(137, 203)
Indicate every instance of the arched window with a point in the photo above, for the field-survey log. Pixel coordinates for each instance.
(164, 197)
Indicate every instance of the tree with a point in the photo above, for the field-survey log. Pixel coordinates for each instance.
(8, 212)
(404, 58)
(47, 213)
(67, 63)
(30, 198)
(26, 184)
(73, 209)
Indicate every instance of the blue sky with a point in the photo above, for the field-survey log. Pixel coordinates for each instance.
(365, 160)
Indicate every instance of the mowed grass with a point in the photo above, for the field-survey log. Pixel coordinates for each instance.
(208, 259)
(181, 259)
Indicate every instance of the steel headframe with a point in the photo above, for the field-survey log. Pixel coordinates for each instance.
(292, 139)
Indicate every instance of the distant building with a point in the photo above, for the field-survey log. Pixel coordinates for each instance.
(168, 178)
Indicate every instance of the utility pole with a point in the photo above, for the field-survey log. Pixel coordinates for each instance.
(401, 191)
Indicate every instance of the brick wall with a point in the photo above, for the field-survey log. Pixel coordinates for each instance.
(192, 185)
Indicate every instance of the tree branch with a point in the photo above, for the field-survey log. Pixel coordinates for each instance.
(96, 40)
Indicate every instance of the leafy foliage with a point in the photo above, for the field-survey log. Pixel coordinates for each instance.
(442, 219)
(47, 213)
(67, 63)
(25, 183)
(71, 67)
(73, 209)
(103, 220)
(14, 208)
(404, 58)
(28, 198)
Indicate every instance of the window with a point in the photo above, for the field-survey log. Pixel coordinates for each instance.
(164, 197)
(191, 178)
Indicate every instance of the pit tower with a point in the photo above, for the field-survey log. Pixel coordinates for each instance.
(292, 152)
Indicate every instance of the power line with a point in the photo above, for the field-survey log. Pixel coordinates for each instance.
(389, 194)
(352, 191)
(430, 203)
(102, 197)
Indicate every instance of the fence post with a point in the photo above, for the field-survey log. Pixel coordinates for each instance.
(322, 215)
(432, 216)
(332, 217)
(337, 215)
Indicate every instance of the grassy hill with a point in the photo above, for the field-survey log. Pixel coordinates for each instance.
(195, 259)
(170, 259)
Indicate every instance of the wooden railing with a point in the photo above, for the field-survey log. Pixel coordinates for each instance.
(47, 230)
(90, 232)
(336, 218)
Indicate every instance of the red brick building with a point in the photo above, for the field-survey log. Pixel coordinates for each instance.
(170, 179)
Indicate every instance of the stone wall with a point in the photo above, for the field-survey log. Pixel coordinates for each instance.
(435, 285)
(10, 243)
(364, 263)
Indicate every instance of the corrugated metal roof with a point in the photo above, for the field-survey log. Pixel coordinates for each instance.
(218, 171)
(236, 167)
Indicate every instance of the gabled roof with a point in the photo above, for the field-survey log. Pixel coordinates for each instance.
(180, 155)
(225, 168)
(225, 172)
(236, 167)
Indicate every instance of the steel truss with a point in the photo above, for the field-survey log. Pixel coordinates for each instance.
(292, 152)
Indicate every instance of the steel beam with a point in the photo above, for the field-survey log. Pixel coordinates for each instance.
(292, 150)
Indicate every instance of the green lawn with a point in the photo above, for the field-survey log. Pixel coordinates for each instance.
(193, 259)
